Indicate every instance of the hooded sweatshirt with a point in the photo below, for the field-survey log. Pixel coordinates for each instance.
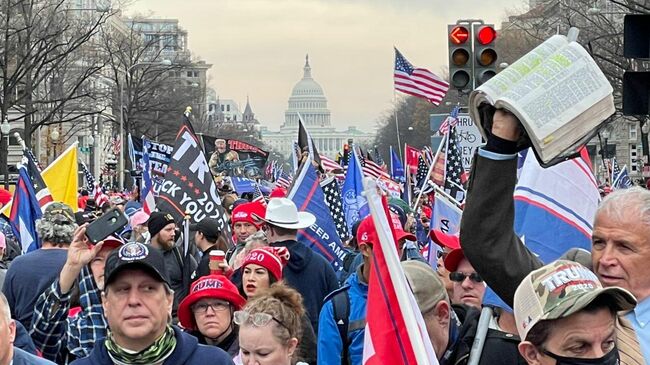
(187, 352)
(311, 275)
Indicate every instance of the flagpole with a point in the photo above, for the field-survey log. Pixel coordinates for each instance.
(433, 163)
(400, 284)
(399, 144)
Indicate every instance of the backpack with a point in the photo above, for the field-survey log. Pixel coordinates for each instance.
(341, 310)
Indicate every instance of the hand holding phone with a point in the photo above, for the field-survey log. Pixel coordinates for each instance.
(112, 221)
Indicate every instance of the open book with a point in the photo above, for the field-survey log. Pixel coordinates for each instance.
(557, 92)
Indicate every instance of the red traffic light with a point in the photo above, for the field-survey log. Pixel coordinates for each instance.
(459, 35)
(486, 35)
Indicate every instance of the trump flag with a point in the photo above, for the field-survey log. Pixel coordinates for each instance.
(321, 236)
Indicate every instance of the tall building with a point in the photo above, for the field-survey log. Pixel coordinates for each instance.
(308, 101)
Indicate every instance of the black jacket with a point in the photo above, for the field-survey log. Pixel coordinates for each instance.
(499, 348)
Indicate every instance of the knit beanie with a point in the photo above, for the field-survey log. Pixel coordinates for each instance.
(158, 221)
(271, 258)
(244, 213)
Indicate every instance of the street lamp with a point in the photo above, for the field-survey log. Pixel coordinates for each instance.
(5, 128)
(128, 71)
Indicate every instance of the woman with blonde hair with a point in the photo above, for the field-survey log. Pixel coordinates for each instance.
(270, 327)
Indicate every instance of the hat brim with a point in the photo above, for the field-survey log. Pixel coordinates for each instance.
(453, 259)
(305, 220)
(445, 240)
(136, 265)
(621, 298)
(404, 235)
(185, 316)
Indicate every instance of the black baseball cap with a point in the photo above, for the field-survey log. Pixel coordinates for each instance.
(135, 255)
(208, 226)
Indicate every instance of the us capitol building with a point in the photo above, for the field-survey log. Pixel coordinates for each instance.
(308, 99)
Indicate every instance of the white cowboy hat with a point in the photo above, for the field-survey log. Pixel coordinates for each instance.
(282, 212)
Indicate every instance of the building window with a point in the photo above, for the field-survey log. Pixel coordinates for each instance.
(228, 107)
(633, 136)
(634, 154)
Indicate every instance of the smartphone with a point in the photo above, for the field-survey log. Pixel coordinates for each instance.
(110, 222)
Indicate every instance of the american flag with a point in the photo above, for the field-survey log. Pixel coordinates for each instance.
(421, 175)
(454, 172)
(148, 196)
(428, 155)
(418, 82)
(371, 169)
(333, 201)
(258, 196)
(378, 159)
(450, 121)
(284, 180)
(332, 167)
(116, 145)
(620, 177)
(41, 190)
(97, 193)
(438, 174)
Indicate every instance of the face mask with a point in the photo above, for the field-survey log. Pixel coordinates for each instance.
(610, 359)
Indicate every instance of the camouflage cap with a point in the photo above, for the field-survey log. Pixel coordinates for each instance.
(59, 213)
(559, 290)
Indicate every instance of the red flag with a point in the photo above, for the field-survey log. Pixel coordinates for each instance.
(412, 158)
(395, 332)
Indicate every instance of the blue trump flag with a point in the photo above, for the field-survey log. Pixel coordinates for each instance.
(321, 236)
(25, 210)
(396, 168)
(355, 205)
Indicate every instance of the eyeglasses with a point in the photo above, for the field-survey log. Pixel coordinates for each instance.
(217, 306)
(257, 319)
(459, 277)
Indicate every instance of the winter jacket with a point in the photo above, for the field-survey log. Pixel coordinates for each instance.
(330, 344)
(311, 275)
(188, 351)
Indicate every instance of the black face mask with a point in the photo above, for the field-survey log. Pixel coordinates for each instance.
(610, 359)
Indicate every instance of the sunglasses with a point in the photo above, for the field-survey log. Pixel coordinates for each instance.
(257, 319)
(459, 277)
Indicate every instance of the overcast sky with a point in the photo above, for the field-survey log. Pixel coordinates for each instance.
(258, 47)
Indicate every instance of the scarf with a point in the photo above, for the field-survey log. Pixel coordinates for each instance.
(157, 352)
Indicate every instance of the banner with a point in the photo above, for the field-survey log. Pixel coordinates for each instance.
(61, 177)
(234, 158)
(321, 236)
(159, 155)
(189, 187)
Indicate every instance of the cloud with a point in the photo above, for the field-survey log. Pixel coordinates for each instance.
(257, 47)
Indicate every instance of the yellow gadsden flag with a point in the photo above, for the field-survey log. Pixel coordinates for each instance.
(61, 177)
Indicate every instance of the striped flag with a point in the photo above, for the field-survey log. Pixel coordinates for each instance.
(332, 167)
(41, 190)
(283, 180)
(450, 121)
(333, 201)
(418, 82)
(25, 210)
(371, 169)
(258, 196)
(620, 177)
(149, 200)
(97, 193)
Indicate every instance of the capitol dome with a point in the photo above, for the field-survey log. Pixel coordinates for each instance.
(308, 100)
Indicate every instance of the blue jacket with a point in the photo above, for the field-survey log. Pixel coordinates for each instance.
(187, 352)
(25, 358)
(329, 339)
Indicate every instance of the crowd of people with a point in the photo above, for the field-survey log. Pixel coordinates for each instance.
(266, 298)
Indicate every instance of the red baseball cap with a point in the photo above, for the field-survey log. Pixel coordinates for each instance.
(445, 240)
(368, 234)
(453, 259)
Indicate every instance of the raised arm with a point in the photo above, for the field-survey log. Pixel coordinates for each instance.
(487, 227)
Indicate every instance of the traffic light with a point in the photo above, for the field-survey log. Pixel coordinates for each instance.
(485, 55)
(460, 54)
(636, 84)
(346, 154)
